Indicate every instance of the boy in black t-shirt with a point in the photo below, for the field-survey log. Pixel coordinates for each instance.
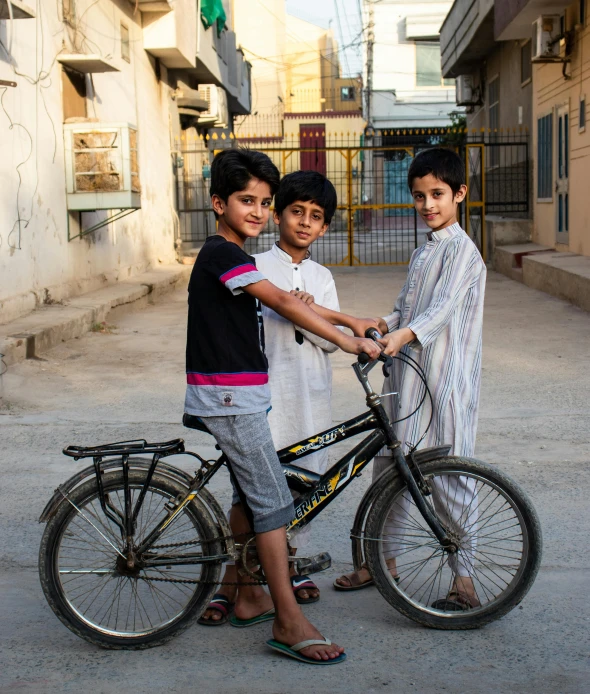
(227, 385)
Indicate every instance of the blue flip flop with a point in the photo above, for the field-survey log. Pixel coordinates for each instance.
(264, 617)
(293, 651)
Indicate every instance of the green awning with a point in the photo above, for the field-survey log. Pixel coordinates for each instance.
(212, 12)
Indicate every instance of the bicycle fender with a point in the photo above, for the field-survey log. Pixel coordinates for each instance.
(69, 485)
(427, 454)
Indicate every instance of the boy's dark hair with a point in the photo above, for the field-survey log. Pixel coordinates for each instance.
(307, 186)
(442, 163)
(233, 168)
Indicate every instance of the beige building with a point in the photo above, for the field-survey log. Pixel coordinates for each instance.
(561, 139)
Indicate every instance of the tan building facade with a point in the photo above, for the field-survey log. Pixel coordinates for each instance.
(562, 140)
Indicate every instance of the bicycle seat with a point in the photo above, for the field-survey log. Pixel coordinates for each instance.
(191, 421)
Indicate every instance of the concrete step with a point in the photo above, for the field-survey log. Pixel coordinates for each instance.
(30, 336)
(564, 275)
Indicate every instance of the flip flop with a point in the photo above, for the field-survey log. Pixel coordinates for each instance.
(293, 651)
(220, 603)
(267, 616)
(303, 583)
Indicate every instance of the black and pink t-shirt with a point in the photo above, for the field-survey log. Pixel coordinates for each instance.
(226, 369)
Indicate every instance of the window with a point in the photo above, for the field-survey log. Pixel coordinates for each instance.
(428, 72)
(545, 157)
(125, 46)
(347, 94)
(526, 71)
(582, 115)
(73, 94)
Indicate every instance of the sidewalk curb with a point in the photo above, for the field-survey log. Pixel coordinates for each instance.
(30, 336)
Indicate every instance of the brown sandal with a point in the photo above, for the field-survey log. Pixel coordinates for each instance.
(355, 584)
(456, 601)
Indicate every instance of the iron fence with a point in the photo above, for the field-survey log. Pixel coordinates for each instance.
(375, 223)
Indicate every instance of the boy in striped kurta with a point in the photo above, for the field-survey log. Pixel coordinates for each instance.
(437, 320)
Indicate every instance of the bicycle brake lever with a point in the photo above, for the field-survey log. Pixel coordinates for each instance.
(387, 364)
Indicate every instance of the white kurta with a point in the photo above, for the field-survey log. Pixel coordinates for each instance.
(300, 373)
(442, 303)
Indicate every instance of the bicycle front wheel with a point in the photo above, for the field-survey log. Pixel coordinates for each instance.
(86, 577)
(492, 523)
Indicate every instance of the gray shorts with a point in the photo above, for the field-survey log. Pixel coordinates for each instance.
(247, 442)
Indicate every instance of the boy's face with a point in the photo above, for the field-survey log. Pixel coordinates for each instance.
(435, 202)
(300, 224)
(246, 211)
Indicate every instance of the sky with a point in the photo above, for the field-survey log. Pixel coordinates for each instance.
(325, 13)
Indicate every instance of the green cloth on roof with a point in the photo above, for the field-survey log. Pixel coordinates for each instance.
(212, 12)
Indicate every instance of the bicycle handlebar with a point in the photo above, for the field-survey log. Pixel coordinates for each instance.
(363, 358)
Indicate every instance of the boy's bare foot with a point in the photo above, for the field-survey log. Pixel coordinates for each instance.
(362, 577)
(252, 603)
(293, 631)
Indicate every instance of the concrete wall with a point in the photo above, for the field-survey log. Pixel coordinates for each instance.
(551, 91)
(260, 28)
(37, 264)
(515, 96)
(394, 69)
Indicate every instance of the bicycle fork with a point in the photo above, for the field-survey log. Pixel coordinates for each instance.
(394, 445)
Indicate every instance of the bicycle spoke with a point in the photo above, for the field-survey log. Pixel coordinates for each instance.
(487, 529)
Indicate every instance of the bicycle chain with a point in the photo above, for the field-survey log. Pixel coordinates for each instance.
(193, 581)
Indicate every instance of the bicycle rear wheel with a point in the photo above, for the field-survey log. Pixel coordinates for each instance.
(494, 526)
(89, 585)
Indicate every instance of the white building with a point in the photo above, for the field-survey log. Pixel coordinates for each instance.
(125, 74)
(408, 88)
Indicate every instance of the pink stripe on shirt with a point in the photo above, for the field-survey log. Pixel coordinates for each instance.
(237, 271)
(238, 379)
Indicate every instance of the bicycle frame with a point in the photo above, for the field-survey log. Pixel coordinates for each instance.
(317, 491)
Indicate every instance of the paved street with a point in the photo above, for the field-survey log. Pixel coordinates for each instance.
(128, 383)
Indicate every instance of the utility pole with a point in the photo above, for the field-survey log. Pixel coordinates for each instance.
(370, 43)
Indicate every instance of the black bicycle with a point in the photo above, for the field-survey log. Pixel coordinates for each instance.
(133, 547)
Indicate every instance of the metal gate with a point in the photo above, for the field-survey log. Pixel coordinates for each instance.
(375, 222)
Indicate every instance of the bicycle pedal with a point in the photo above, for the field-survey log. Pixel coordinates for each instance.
(312, 565)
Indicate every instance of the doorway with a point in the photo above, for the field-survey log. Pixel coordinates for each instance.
(562, 177)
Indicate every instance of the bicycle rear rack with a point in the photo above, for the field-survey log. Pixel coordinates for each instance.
(126, 448)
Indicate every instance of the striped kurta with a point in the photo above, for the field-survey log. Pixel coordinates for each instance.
(442, 303)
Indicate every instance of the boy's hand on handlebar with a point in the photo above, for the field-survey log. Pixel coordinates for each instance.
(304, 296)
(393, 342)
(382, 326)
(360, 325)
(356, 345)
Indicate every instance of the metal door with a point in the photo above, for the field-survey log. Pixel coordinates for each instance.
(562, 177)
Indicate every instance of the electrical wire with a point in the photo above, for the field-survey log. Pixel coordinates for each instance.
(407, 359)
(19, 219)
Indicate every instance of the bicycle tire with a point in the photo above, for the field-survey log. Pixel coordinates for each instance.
(62, 603)
(477, 533)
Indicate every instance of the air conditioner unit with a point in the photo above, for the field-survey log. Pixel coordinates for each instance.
(102, 171)
(464, 91)
(546, 34)
(217, 114)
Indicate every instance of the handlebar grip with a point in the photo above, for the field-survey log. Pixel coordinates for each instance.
(373, 334)
(363, 358)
